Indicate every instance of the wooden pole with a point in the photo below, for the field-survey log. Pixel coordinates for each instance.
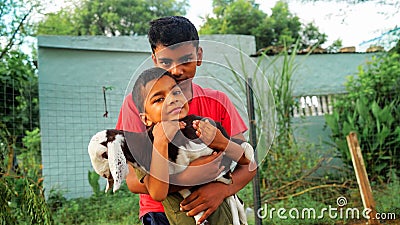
(253, 142)
(362, 176)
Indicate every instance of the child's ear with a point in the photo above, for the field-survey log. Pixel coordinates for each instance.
(145, 119)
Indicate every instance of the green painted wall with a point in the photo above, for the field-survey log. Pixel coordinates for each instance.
(72, 72)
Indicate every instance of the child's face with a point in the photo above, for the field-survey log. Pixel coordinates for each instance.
(164, 101)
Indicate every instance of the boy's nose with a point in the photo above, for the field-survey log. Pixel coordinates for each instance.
(176, 70)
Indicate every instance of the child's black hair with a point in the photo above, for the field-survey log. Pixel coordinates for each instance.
(172, 30)
(145, 77)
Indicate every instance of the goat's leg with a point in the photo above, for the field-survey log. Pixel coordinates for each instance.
(241, 210)
(234, 210)
(185, 193)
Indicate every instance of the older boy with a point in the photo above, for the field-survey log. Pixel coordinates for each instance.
(174, 44)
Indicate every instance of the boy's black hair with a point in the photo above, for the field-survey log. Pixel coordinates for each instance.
(145, 77)
(172, 30)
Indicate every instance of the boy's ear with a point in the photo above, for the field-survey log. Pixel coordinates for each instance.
(145, 120)
(199, 56)
(153, 57)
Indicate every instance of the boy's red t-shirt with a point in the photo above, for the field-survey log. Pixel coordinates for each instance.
(206, 102)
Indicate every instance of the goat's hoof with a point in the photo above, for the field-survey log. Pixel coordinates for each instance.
(205, 223)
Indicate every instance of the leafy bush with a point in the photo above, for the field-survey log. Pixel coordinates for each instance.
(371, 109)
(101, 208)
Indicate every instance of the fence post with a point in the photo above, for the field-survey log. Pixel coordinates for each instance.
(362, 176)
(253, 142)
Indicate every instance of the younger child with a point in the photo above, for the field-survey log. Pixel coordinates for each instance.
(162, 107)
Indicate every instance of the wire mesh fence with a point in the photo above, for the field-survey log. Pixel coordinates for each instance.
(69, 117)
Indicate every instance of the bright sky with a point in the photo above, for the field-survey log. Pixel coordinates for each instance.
(353, 24)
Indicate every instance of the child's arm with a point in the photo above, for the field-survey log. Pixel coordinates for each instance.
(157, 181)
(214, 138)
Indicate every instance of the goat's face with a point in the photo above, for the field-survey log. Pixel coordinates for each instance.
(107, 157)
(98, 153)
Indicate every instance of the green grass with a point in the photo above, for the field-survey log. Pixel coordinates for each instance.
(122, 207)
(119, 208)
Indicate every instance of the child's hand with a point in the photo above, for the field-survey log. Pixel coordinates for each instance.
(165, 131)
(210, 135)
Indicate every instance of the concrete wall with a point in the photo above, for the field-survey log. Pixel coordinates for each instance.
(319, 74)
(72, 74)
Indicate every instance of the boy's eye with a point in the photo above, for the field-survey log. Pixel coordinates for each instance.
(186, 60)
(165, 63)
(177, 92)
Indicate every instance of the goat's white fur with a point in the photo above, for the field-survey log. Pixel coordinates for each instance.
(117, 161)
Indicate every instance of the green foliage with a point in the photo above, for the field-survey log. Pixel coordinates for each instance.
(312, 37)
(29, 159)
(19, 101)
(278, 29)
(111, 18)
(386, 197)
(94, 178)
(14, 22)
(101, 208)
(22, 201)
(237, 17)
(371, 109)
(62, 22)
(301, 166)
(335, 46)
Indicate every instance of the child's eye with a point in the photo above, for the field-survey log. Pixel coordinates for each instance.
(158, 100)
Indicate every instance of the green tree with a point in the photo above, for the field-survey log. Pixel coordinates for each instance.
(21, 194)
(335, 46)
(110, 17)
(15, 25)
(281, 28)
(244, 17)
(312, 37)
(59, 23)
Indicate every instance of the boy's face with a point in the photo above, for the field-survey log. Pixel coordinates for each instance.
(180, 60)
(164, 101)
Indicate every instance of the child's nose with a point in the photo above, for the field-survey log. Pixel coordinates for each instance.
(172, 99)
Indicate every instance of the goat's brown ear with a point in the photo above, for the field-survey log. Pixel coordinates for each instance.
(145, 119)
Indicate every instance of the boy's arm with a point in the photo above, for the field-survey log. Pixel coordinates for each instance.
(157, 181)
(133, 183)
(207, 199)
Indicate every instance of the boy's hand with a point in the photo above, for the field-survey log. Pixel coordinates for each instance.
(210, 135)
(206, 199)
(200, 171)
(165, 131)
